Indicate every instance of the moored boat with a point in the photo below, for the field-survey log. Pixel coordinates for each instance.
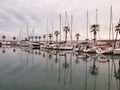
(116, 51)
(104, 50)
(90, 49)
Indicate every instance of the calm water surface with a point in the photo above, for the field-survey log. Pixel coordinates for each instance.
(27, 69)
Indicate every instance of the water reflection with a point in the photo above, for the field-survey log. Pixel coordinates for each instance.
(58, 70)
(94, 68)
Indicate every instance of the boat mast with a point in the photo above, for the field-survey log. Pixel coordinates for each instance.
(27, 30)
(97, 23)
(96, 16)
(60, 28)
(33, 33)
(71, 27)
(111, 24)
(87, 26)
(65, 27)
(65, 18)
(52, 31)
(47, 31)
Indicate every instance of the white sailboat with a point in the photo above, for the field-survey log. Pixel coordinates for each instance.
(107, 49)
(94, 29)
(104, 50)
(91, 49)
(116, 51)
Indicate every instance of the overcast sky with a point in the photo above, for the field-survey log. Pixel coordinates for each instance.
(14, 14)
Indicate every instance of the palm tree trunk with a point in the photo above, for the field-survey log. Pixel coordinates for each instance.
(56, 38)
(44, 39)
(50, 39)
(66, 37)
(115, 39)
(77, 41)
(95, 40)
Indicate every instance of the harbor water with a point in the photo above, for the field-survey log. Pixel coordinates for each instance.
(39, 69)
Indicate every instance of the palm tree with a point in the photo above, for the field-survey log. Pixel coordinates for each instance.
(77, 37)
(56, 34)
(66, 30)
(3, 37)
(39, 38)
(44, 36)
(36, 37)
(14, 38)
(117, 29)
(50, 36)
(95, 28)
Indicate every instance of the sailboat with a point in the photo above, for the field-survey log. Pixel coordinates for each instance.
(80, 46)
(107, 49)
(64, 45)
(104, 50)
(94, 28)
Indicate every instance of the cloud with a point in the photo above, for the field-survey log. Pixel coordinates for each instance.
(14, 14)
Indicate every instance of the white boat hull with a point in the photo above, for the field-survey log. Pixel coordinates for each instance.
(66, 48)
(104, 50)
(116, 51)
(90, 50)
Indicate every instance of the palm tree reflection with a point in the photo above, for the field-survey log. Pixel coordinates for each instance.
(117, 73)
(65, 64)
(14, 50)
(50, 55)
(56, 57)
(93, 68)
(43, 54)
(3, 51)
(77, 59)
